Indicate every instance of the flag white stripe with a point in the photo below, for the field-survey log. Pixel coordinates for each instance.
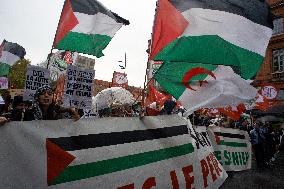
(121, 150)
(96, 24)
(8, 58)
(233, 28)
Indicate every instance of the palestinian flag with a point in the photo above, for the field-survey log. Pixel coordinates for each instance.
(86, 26)
(112, 155)
(199, 86)
(232, 147)
(10, 53)
(230, 139)
(234, 33)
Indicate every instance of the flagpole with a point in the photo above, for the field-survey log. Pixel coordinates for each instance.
(52, 47)
(147, 68)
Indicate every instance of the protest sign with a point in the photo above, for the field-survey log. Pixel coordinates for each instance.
(84, 62)
(111, 152)
(36, 77)
(232, 147)
(4, 83)
(78, 87)
(119, 80)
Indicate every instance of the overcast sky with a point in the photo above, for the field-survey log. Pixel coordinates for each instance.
(33, 23)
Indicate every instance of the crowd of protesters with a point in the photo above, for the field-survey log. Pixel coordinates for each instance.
(266, 141)
(43, 107)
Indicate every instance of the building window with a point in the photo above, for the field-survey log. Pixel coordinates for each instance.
(278, 26)
(280, 95)
(278, 64)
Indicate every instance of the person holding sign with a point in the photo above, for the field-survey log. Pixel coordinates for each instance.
(44, 107)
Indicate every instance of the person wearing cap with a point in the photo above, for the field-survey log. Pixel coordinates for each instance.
(44, 107)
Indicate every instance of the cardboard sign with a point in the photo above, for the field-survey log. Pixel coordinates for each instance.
(36, 77)
(78, 87)
(4, 83)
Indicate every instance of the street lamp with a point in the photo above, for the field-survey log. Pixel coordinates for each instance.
(121, 66)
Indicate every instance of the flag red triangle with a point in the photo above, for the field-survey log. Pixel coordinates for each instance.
(169, 24)
(57, 160)
(67, 22)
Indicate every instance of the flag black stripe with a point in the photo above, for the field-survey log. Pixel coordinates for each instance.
(230, 135)
(106, 139)
(14, 48)
(92, 7)
(255, 10)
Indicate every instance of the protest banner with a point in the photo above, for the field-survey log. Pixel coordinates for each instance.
(36, 77)
(4, 84)
(84, 62)
(113, 152)
(232, 147)
(78, 87)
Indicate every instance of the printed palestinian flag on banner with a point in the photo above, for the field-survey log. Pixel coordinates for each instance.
(232, 147)
(102, 153)
(233, 33)
(10, 53)
(86, 26)
(204, 86)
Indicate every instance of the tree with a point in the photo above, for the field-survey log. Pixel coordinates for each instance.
(17, 75)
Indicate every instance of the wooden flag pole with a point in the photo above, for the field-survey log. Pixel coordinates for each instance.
(52, 47)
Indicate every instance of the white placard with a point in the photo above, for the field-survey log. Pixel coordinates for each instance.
(78, 87)
(36, 77)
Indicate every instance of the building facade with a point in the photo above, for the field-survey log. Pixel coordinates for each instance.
(272, 70)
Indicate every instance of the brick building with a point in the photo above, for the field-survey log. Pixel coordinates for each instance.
(272, 70)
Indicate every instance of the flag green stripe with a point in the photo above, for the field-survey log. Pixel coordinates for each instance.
(211, 49)
(84, 43)
(88, 170)
(232, 144)
(171, 74)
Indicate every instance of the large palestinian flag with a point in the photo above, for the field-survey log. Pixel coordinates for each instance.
(220, 32)
(86, 26)
(10, 53)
